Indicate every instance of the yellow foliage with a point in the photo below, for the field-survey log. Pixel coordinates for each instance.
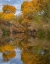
(11, 54)
(41, 3)
(7, 48)
(33, 6)
(8, 12)
(29, 58)
(1, 14)
(28, 7)
(9, 16)
(9, 9)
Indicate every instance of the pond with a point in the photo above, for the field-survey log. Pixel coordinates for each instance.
(24, 49)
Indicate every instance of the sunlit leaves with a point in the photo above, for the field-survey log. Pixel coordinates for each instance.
(8, 12)
(30, 8)
(9, 9)
(9, 16)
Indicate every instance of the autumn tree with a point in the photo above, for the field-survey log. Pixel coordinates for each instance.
(8, 9)
(34, 6)
(35, 10)
(44, 8)
(27, 12)
(8, 13)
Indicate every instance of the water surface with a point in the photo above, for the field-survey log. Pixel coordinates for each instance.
(24, 49)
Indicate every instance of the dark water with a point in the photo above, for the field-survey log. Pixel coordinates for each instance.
(24, 49)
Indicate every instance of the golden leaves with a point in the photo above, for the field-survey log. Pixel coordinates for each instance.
(26, 9)
(33, 6)
(9, 9)
(8, 12)
(29, 7)
(7, 48)
(9, 16)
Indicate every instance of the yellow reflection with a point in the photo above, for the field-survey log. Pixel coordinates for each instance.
(9, 55)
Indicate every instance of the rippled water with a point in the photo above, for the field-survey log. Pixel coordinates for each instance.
(24, 49)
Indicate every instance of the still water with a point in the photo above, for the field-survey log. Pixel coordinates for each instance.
(24, 49)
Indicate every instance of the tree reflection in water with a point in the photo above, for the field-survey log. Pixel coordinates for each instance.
(31, 51)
